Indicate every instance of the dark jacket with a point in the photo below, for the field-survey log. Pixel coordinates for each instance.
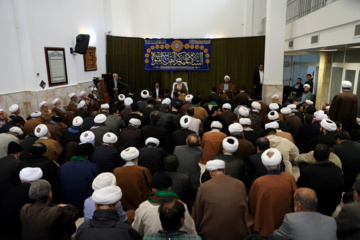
(178, 137)
(99, 132)
(129, 137)
(107, 158)
(153, 130)
(87, 124)
(152, 158)
(9, 173)
(256, 167)
(26, 144)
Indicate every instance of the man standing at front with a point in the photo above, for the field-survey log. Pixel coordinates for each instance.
(114, 85)
(258, 80)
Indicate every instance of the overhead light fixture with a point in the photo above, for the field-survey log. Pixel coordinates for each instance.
(328, 50)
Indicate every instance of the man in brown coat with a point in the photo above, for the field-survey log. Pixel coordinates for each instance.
(72, 106)
(31, 124)
(225, 88)
(54, 149)
(211, 142)
(199, 112)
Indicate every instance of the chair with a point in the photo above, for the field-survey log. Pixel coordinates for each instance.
(173, 87)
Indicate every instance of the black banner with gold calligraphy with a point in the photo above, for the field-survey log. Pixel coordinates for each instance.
(177, 54)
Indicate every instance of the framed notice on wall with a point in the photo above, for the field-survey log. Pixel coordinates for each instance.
(56, 66)
(90, 59)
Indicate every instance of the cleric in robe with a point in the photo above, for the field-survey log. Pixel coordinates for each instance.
(225, 88)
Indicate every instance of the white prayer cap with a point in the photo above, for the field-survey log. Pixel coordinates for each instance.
(346, 84)
(245, 121)
(104, 180)
(81, 94)
(13, 108)
(31, 174)
(274, 96)
(189, 97)
(273, 160)
(309, 102)
(128, 101)
(42, 104)
(318, 112)
(274, 125)
(135, 122)
(328, 125)
(285, 110)
(273, 115)
(152, 140)
(77, 121)
(87, 137)
(244, 111)
(230, 144)
(100, 118)
(256, 105)
(35, 114)
(307, 85)
(216, 164)
(104, 106)
(110, 137)
(185, 121)
(166, 101)
(129, 154)
(81, 104)
(327, 107)
(16, 130)
(321, 116)
(274, 106)
(178, 80)
(121, 97)
(235, 127)
(291, 106)
(144, 94)
(226, 106)
(54, 101)
(216, 124)
(107, 195)
(1, 110)
(40, 130)
(226, 76)
(71, 95)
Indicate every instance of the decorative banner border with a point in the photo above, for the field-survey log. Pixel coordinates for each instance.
(177, 55)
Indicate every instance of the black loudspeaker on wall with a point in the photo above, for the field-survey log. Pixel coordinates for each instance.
(82, 43)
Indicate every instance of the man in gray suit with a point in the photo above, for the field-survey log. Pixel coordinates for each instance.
(305, 223)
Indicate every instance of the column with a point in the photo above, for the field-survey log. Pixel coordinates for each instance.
(323, 83)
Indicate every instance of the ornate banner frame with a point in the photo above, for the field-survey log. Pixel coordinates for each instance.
(56, 66)
(90, 60)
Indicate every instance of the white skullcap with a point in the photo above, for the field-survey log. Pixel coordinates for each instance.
(31, 174)
(104, 180)
(272, 161)
(216, 124)
(178, 80)
(42, 104)
(273, 115)
(185, 121)
(307, 85)
(235, 127)
(54, 101)
(135, 122)
(256, 105)
(230, 144)
(309, 102)
(87, 137)
(152, 140)
(81, 104)
(110, 137)
(100, 118)
(144, 94)
(274, 96)
(81, 94)
(16, 130)
(216, 164)
(291, 106)
(274, 125)
(327, 107)
(40, 130)
(346, 84)
(1, 110)
(321, 116)
(226, 76)
(244, 111)
(226, 106)
(129, 154)
(35, 114)
(13, 108)
(318, 112)
(285, 110)
(189, 97)
(104, 106)
(77, 121)
(166, 101)
(245, 121)
(274, 106)
(71, 95)
(328, 125)
(107, 195)
(121, 97)
(128, 101)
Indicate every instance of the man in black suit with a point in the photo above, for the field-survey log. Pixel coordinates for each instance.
(214, 96)
(153, 130)
(258, 80)
(256, 167)
(114, 85)
(152, 156)
(157, 90)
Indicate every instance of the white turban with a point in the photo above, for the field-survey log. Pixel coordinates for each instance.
(104, 106)
(178, 80)
(121, 97)
(318, 112)
(40, 130)
(327, 107)
(273, 115)
(226, 106)
(144, 94)
(235, 127)
(1, 110)
(307, 85)
(135, 122)
(185, 121)
(274, 96)
(104, 180)
(35, 114)
(81, 104)
(309, 102)
(272, 161)
(13, 108)
(227, 76)
(328, 125)
(128, 101)
(230, 144)
(129, 154)
(107, 195)
(216, 124)
(216, 164)
(166, 101)
(285, 110)
(94, 89)
(42, 104)
(16, 130)
(274, 125)
(321, 116)
(87, 137)
(152, 140)
(346, 84)
(77, 121)
(110, 137)
(54, 101)
(71, 95)
(291, 106)
(274, 106)
(244, 111)
(256, 105)
(100, 118)
(31, 174)
(81, 94)
(245, 121)
(188, 98)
